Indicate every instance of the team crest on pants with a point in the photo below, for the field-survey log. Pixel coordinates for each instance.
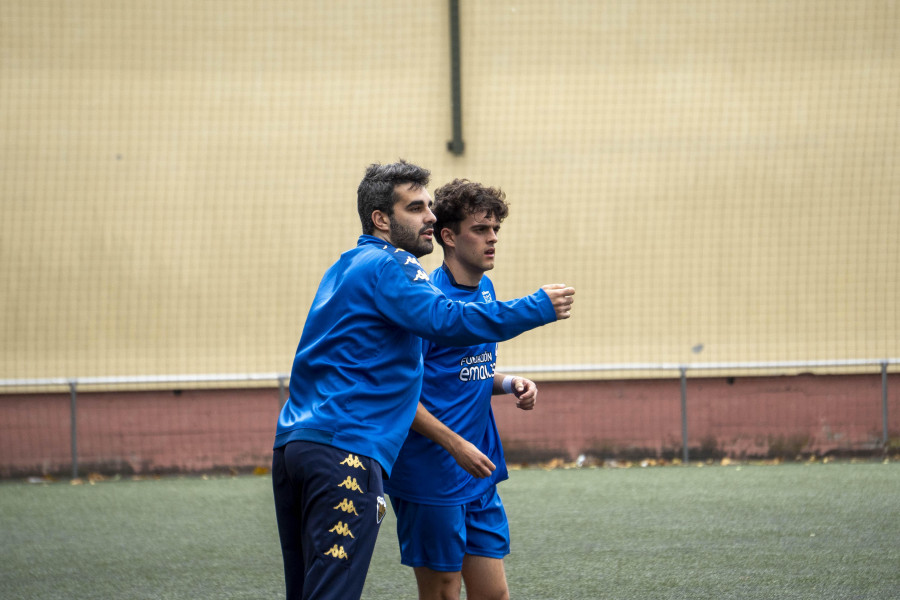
(382, 509)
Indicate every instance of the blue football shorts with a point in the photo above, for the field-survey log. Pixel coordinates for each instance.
(438, 537)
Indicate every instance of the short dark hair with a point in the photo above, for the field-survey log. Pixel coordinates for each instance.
(460, 198)
(376, 191)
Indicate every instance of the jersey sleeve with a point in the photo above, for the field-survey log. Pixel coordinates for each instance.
(405, 296)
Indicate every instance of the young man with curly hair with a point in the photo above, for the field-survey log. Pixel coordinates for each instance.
(357, 376)
(451, 523)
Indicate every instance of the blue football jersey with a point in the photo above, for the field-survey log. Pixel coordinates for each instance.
(456, 389)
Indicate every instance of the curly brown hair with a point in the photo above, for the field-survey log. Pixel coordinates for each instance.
(460, 198)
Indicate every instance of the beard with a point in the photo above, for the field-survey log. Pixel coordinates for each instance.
(408, 239)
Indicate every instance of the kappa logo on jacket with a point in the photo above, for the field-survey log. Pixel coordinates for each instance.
(410, 265)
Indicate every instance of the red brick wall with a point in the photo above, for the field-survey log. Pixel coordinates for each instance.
(740, 418)
(205, 430)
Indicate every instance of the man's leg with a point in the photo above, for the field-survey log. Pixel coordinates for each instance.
(487, 542)
(331, 518)
(290, 531)
(485, 578)
(432, 542)
(438, 585)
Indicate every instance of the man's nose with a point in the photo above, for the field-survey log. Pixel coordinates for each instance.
(430, 218)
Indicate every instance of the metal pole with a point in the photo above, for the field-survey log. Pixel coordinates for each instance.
(456, 145)
(73, 420)
(280, 392)
(684, 418)
(884, 406)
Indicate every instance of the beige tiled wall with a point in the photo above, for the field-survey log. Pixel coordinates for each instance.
(718, 179)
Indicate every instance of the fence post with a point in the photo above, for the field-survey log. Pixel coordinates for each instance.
(684, 418)
(73, 422)
(456, 145)
(280, 392)
(884, 406)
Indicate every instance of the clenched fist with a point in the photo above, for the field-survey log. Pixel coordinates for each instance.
(562, 298)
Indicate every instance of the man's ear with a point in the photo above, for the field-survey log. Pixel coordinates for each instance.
(381, 221)
(449, 237)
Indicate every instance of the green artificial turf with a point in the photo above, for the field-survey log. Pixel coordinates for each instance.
(789, 531)
(804, 531)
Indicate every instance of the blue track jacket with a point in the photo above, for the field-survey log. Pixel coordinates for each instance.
(357, 373)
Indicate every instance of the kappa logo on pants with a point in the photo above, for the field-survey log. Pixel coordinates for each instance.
(347, 506)
(337, 552)
(351, 484)
(342, 528)
(353, 461)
